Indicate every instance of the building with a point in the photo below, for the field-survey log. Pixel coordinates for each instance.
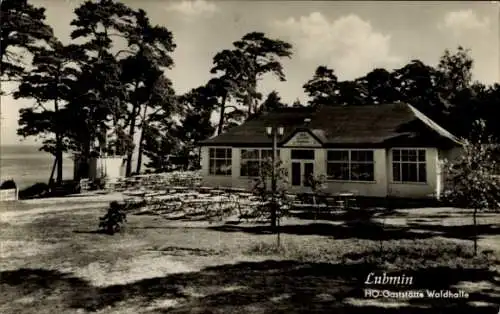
(376, 150)
(9, 191)
(95, 168)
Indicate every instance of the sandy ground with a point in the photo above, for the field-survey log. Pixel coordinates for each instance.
(147, 263)
(449, 217)
(51, 239)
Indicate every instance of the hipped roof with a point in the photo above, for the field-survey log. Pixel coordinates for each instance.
(343, 126)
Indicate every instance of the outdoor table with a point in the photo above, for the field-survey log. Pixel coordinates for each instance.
(204, 188)
(154, 194)
(207, 204)
(218, 198)
(132, 200)
(197, 201)
(179, 188)
(203, 202)
(217, 192)
(166, 197)
(174, 189)
(135, 193)
(237, 190)
(251, 208)
(160, 201)
(344, 197)
(163, 204)
(186, 194)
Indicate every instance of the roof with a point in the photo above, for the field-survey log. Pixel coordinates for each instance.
(369, 125)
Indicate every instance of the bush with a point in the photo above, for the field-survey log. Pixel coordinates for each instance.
(35, 191)
(114, 219)
(472, 177)
(274, 206)
(7, 185)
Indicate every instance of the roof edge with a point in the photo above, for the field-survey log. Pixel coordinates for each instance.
(434, 126)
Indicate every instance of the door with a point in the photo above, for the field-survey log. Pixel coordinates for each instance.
(308, 171)
(296, 173)
(301, 170)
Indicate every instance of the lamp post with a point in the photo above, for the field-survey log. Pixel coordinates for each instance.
(274, 133)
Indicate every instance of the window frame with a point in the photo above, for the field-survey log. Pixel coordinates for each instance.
(349, 162)
(260, 159)
(214, 158)
(402, 162)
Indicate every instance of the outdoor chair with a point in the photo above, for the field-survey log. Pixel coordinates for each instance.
(352, 201)
(251, 208)
(196, 208)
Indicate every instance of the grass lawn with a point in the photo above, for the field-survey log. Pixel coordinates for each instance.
(53, 261)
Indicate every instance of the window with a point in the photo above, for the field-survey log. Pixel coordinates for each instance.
(350, 165)
(220, 161)
(408, 165)
(252, 160)
(302, 154)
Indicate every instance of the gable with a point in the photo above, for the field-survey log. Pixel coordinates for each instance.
(302, 139)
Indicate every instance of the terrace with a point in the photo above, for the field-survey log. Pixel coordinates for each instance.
(187, 247)
(160, 265)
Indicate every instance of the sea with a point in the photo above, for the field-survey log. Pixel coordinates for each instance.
(27, 165)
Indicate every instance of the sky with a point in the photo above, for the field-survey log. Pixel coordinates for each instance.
(352, 37)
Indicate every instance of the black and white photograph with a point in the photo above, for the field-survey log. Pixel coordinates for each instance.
(225, 156)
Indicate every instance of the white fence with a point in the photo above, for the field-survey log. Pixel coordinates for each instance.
(9, 195)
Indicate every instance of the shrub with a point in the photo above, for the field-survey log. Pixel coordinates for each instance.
(114, 219)
(275, 205)
(9, 184)
(317, 185)
(472, 177)
(36, 190)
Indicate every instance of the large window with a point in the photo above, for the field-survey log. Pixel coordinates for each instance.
(252, 160)
(408, 166)
(220, 161)
(350, 165)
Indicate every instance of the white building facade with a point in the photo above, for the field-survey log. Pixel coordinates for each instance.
(377, 169)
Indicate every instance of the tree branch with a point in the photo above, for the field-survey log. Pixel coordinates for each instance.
(39, 104)
(11, 80)
(116, 35)
(123, 51)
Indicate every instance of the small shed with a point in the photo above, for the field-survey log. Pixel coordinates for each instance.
(9, 191)
(99, 167)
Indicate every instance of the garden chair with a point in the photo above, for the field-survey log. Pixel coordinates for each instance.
(352, 201)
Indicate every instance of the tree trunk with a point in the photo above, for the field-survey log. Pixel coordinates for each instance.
(141, 140)
(475, 231)
(128, 169)
(83, 162)
(249, 104)
(139, 154)
(52, 172)
(255, 105)
(59, 158)
(274, 205)
(222, 112)
(59, 148)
